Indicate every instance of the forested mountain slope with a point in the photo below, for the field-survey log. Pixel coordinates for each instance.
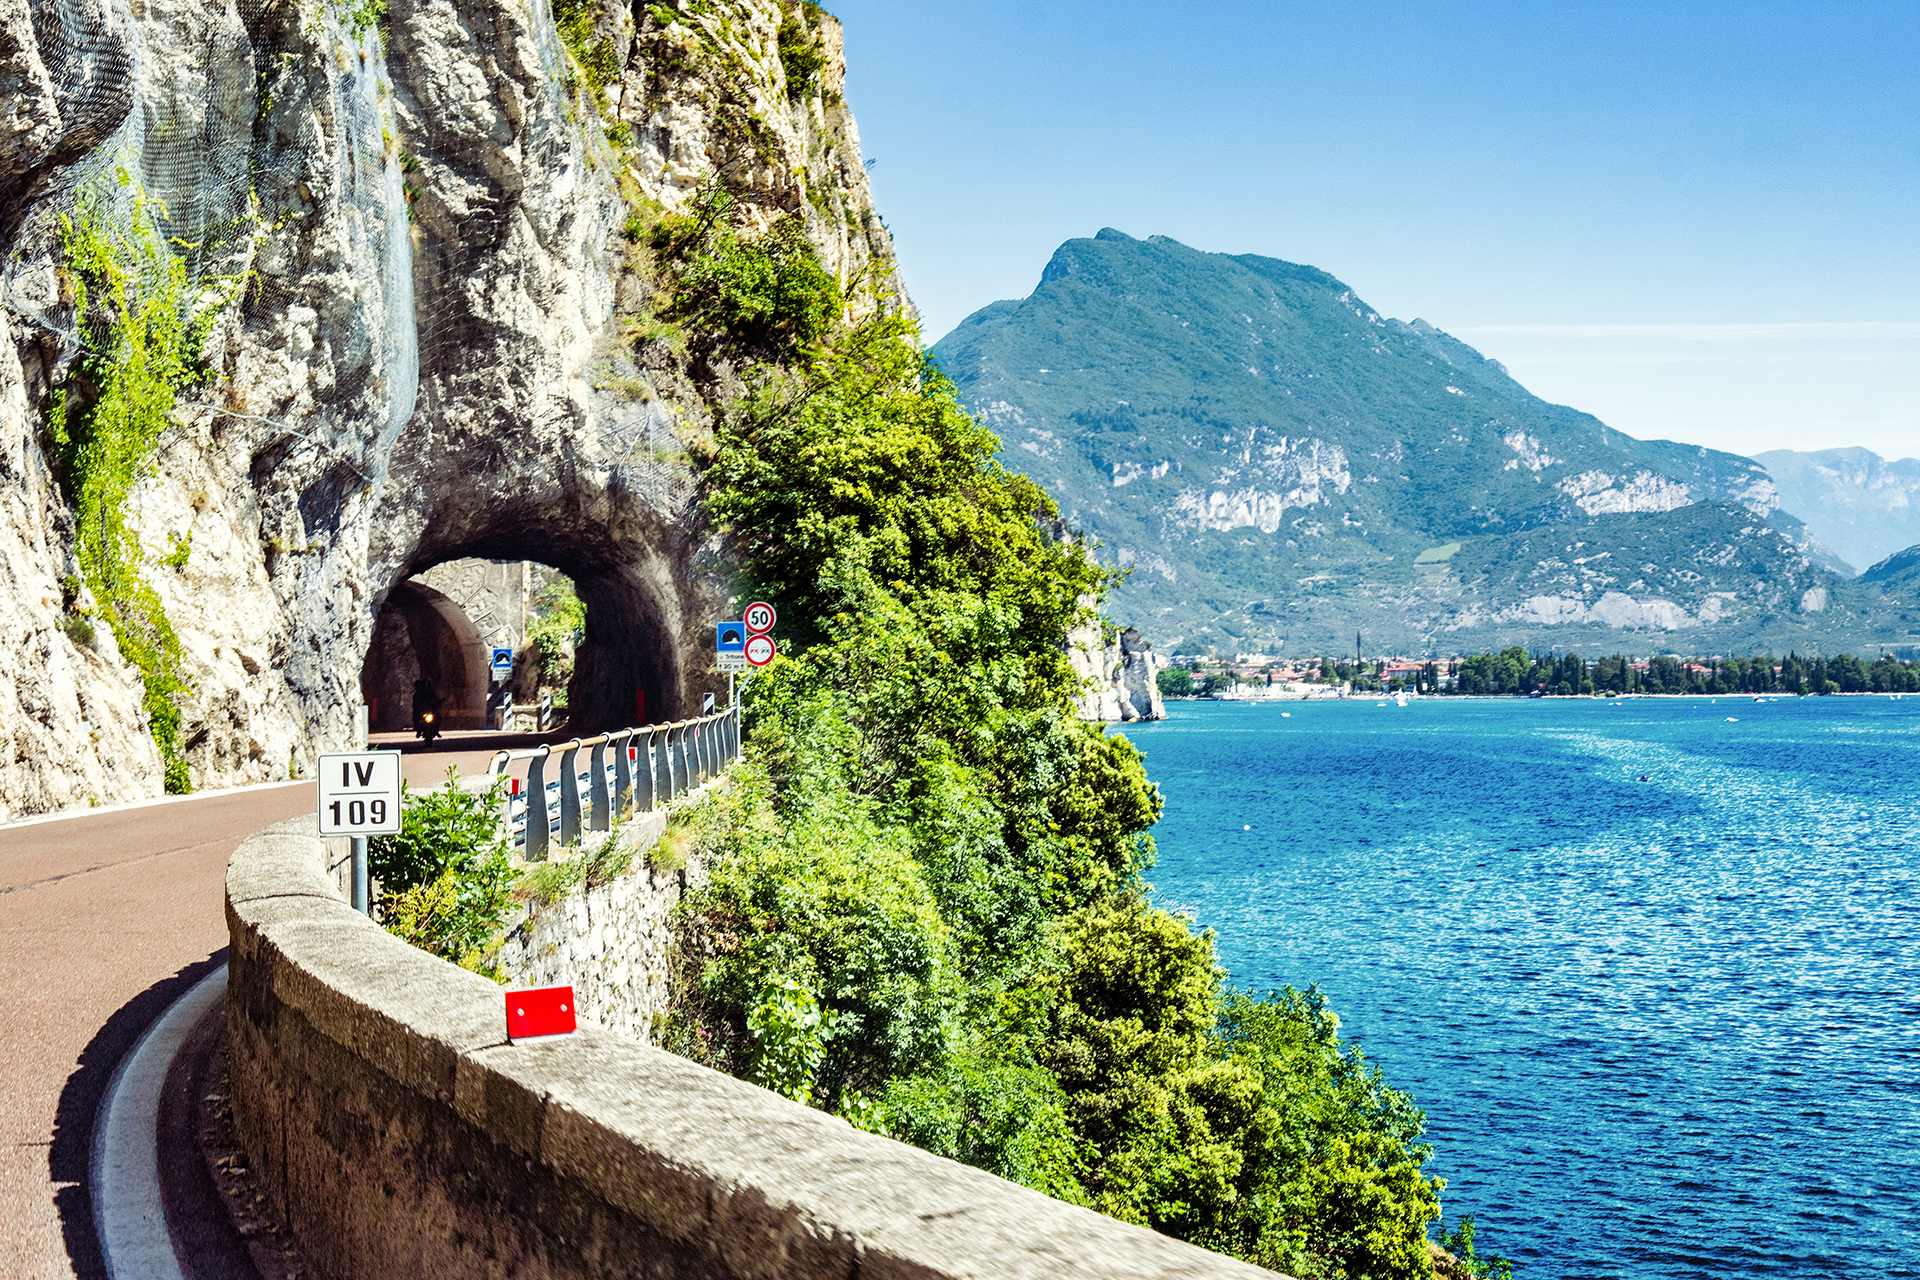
(1282, 466)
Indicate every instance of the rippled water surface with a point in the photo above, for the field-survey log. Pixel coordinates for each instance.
(1662, 1028)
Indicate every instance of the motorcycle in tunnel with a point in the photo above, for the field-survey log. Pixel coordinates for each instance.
(426, 710)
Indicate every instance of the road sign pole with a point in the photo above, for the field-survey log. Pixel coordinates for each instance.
(360, 876)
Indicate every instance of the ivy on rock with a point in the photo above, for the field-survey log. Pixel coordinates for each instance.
(141, 336)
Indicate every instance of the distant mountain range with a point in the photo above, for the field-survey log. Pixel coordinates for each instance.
(1856, 502)
(1281, 467)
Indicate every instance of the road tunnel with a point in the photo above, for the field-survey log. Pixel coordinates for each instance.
(421, 634)
(444, 622)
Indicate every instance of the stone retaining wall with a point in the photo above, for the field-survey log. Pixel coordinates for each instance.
(610, 942)
(400, 1134)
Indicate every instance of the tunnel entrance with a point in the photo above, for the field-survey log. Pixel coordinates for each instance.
(422, 634)
(616, 667)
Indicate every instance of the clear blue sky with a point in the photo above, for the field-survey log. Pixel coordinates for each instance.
(1697, 221)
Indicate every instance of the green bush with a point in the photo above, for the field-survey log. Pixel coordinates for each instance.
(801, 56)
(926, 908)
(766, 297)
(1175, 683)
(559, 617)
(1459, 1242)
(446, 879)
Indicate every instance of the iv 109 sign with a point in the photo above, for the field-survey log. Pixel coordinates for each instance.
(360, 793)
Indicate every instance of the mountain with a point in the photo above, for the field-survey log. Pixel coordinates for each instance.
(1898, 575)
(1280, 466)
(1855, 501)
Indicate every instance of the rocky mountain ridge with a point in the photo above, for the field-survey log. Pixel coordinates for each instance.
(1862, 505)
(1280, 466)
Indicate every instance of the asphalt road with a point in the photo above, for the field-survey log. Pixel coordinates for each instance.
(110, 917)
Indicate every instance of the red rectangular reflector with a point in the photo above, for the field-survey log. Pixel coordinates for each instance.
(540, 1011)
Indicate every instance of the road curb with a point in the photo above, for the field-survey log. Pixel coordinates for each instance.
(124, 1170)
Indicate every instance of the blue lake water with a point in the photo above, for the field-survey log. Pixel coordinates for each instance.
(1667, 1028)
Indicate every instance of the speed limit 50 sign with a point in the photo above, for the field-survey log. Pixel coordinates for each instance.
(759, 617)
(360, 794)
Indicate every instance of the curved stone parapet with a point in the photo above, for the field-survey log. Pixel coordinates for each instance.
(399, 1134)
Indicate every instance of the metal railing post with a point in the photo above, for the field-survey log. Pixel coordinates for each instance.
(622, 772)
(669, 776)
(677, 760)
(360, 902)
(570, 794)
(538, 823)
(641, 744)
(651, 754)
(601, 817)
(663, 768)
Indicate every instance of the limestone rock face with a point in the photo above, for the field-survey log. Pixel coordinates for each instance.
(1120, 674)
(70, 720)
(429, 341)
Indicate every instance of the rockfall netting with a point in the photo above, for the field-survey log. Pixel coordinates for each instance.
(221, 131)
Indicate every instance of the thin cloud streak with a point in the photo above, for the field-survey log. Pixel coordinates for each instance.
(1755, 357)
(1842, 330)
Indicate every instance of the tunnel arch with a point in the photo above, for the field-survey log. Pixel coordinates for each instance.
(640, 657)
(420, 633)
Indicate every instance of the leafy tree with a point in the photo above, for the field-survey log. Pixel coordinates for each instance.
(925, 908)
(559, 618)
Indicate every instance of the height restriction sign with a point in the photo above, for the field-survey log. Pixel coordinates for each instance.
(360, 794)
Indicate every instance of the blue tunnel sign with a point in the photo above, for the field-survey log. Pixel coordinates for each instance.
(730, 637)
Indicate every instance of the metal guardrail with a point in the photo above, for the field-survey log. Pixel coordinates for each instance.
(626, 770)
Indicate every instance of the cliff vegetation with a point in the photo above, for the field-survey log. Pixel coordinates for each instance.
(141, 340)
(928, 910)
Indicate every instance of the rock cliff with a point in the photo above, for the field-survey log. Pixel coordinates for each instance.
(1120, 673)
(407, 247)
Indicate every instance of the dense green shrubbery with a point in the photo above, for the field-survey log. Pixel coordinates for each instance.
(446, 878)
(761, 298)
(560, 618)
(926, 910)
(801, 56)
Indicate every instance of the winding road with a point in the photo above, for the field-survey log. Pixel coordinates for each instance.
(110, 917)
